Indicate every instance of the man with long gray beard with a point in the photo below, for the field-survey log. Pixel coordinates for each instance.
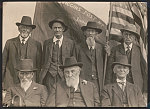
(27, 92)
(73, 91)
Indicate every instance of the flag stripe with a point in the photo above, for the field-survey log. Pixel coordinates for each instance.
(123, 16)
(124, 11)
(117, 25)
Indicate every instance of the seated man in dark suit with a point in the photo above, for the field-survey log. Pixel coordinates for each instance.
(27, 92)
(122, 93)
(73, 91)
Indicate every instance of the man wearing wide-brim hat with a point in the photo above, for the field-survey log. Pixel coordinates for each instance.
(92, 54)
(122, 93)
(138, 72)
(73, 91)
(27, 93)
(20, 47)
(55, 50)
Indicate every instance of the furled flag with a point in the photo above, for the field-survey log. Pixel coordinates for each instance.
(74, 16)
(124, 13)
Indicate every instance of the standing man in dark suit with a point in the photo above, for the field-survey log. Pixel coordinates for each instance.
(55, 50)
(122, 93)
(73, 91)
(137, 74)
(20, 47)
(92, 55)
(27, 93)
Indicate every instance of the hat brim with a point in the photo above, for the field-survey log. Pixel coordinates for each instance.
(83, 28)
(51, 23)
(27, 70)
(135, 33)
(117, 63)
(77, 64)
(33, 26)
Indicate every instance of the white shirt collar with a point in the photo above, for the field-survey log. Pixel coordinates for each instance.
(76, 85)
(25, 39)
(93, 47)
(118, 80)
(60, 42)
(125, 46)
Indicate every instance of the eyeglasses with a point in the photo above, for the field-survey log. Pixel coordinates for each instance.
(24, 73)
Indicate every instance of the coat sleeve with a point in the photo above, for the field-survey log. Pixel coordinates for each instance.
(140, 98)
(44, 96)
(105, 98)
(96, 97)
(109, 71)
(5, 58)
(8, 97)
(39, 60)
(51, 98)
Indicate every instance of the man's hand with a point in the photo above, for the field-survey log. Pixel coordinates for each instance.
(107, 48)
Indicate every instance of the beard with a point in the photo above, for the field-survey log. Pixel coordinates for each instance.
(71, 81)
(90, 41)
(25, 83)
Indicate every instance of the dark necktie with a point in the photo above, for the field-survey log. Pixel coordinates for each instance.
(23, 40)
(57, 44)
(122, 85)
(128, 53)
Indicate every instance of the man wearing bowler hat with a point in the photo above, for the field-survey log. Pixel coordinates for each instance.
(20, 47)
(73, 91)
(55, 50)
(138, 73)
(27, 92)
(121, 93)
(92, 55)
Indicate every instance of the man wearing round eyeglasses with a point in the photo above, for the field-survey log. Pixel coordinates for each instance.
(138, 73)
(27, 92)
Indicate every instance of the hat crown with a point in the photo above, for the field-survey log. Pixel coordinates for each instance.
(25, 65)
(70, 61)
(130, 27)
(91, 24)
(26, 20)
(122, 60)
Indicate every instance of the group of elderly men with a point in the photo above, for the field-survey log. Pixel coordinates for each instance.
(65, 74)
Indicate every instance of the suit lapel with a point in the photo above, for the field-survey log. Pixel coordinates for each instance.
(30, 89)
(16, 43)
(50, 47)
(84, 92)
(86, 50)
(66, 88)
(64, 48)
(20, 90)
(115, 87)
(29, 47)
(122, 49)
(129, 90)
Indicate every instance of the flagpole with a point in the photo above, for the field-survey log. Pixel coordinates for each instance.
(107, 39)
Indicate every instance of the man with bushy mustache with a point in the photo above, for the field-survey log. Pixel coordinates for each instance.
(73, 91)
(92, 55)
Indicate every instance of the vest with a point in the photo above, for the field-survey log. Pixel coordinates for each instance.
(23, 50)
(76, 99)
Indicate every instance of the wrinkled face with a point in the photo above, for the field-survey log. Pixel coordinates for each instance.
(25, 76)
(72, 75)
(24, 30)
(128, 37)
(90, 36)
(58, 29)
(121, 71)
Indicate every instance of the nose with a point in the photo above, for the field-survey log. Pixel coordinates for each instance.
(57, 29)
(69, 74)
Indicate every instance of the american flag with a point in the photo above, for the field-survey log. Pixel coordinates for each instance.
(124, 13)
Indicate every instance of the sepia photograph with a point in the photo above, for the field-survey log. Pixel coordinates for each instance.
(74, 54)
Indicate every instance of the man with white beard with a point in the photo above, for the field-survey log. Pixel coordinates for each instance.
(27, 92)
(73, 91)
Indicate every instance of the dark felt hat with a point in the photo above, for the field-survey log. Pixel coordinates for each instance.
(25, 65)
(130, 28)
(71, 61)
(60, 21)
(92, 25)
(26, 20)
(121, 60)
